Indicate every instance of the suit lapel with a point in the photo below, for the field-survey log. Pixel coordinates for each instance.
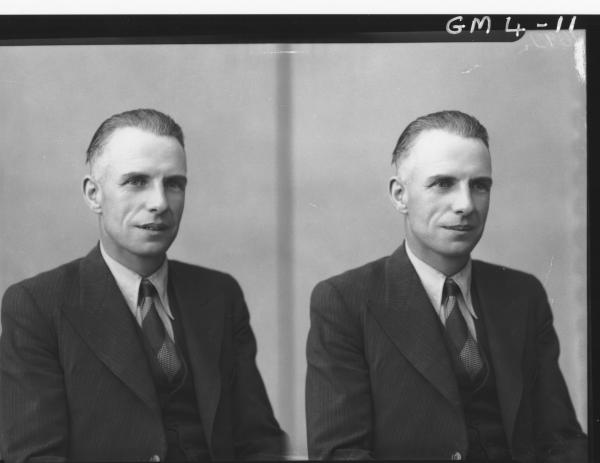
(505, 326)
(406, 315)
(104, 321)
(202, 318)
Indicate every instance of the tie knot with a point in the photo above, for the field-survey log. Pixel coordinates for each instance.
(451, 288)
(147, 289)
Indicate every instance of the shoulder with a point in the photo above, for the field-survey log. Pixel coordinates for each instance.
(50, 282)
(489, 270)
(196, 274)
(516, 280)
(45, 290)
(354, 282)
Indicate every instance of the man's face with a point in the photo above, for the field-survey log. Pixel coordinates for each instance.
(443, 188)
(140, 179)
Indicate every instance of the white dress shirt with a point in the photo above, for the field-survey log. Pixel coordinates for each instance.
(129, 283)
(433, 282)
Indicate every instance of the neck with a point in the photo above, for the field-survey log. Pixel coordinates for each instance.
(142, 265)
(145, 268)
(448, 265)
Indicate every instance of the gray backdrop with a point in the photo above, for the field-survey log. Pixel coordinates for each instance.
(289, 150)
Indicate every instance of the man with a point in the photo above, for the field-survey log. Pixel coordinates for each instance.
(427, 354)
(124, 355)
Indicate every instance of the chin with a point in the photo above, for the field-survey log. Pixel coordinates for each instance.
(154, 250)
(460, 250)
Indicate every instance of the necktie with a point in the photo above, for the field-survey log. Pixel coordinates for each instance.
(463, 347)
(152, 326)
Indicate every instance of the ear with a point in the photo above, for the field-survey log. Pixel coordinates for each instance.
(92, 194)
(397, 192)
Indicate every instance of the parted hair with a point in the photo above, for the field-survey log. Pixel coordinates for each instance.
(452, 121)
(150, 120)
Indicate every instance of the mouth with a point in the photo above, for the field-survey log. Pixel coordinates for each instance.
(155, 227)
(460, 228)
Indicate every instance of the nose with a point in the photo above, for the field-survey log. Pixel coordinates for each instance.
(157, 198)
(463, 200)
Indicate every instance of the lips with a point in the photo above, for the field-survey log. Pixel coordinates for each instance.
(153, 226)
(462, 228)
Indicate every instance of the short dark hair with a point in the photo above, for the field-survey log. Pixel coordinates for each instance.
(150, 120)
(452, 121)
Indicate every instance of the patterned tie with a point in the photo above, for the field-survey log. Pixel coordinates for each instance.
(462, 345)
(154, 330)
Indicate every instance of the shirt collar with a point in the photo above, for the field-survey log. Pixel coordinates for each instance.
(129, 281)
(433, 281)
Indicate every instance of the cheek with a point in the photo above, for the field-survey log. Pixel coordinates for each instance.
(417, 208)
(121, 213)
(176, 202)
(483, 204)
(431, 211)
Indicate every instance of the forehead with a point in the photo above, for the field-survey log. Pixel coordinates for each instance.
(133, 149)
(440, 152)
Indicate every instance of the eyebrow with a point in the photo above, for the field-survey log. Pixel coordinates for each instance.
(449, 176)
(133, 174)
(433, 178)
(181, 178)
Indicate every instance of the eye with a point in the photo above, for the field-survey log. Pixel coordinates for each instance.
(135, 180)
(443, 182)
(176, 184)
(483, 186)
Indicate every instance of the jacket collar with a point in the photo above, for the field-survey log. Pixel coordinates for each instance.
(105, 323)
(405, 313)
(407, 316)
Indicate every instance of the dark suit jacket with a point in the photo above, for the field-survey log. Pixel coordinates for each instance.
(75, 381)
(380, 383)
